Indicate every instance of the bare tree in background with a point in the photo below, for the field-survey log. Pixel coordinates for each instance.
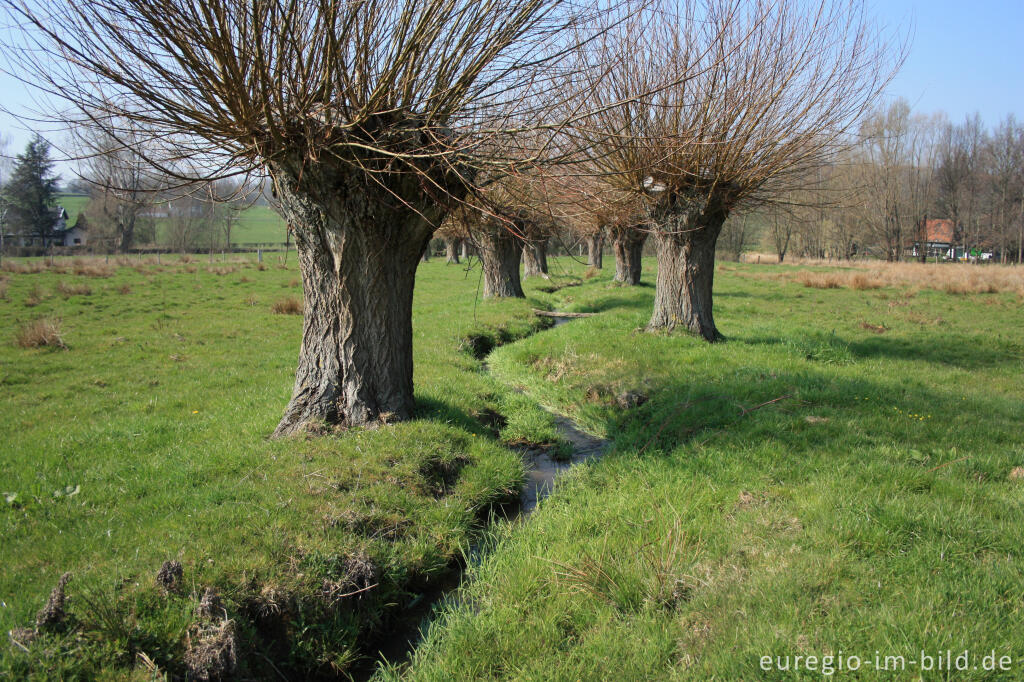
(766, 90)
(780, 230)
(959, 177)
(897, 175)
(5, 169)
(736, 234)
(1005, 153)
(372, 118)
(123, 183)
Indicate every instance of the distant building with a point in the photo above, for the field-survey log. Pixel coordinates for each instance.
(59, 235)
(936, 237)
(76, 234)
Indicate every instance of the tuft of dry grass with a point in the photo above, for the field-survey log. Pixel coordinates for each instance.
(3, 290)
(84, 269)
(287, 306)
(861, 282)
(39, 333)
(124, 289)
(251, 300)
(261, 266)
(68, 290)
(29, 268)
(590, 272)
(35, 296)
(820, 280)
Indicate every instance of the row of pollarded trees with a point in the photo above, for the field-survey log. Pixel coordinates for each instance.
(517, 220)
(375, 120)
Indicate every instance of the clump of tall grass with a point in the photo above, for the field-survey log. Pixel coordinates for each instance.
(820, 280)
(35, 296)
(861, 282)
(3, 289)
(287, 306)
(39, 333)
(93, 270)
(31, 267)
(68, 290)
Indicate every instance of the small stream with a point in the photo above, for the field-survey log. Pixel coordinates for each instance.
(541, 473)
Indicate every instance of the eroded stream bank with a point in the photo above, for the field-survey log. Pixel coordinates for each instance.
(542, 470)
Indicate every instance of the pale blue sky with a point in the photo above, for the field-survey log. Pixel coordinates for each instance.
(964, 56)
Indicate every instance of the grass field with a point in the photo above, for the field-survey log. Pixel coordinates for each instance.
(146, 441)
(845, 475)
(842, 477)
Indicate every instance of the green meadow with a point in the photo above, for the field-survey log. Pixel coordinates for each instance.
(843, 476)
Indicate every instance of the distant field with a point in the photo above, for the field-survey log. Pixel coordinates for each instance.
(73, 204)
(259, 225)
(256, 225)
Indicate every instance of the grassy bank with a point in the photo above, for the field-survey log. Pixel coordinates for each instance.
(140, 439)
(842, 477)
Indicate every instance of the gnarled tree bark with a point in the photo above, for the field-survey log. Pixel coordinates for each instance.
(595, 248)
(535, 257)
(499, 252)
(686, 270)
(628, 245)
(358, 250)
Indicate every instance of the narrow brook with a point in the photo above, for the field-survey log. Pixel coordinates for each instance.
(541, 473)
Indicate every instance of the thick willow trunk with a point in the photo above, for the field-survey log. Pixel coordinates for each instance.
(628, 245)
(686, 273)
(595, 250)
(535, 258)
(451, 251)
(500, 251)
(358, 255)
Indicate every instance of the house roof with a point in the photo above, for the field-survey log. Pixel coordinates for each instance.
(941, 231)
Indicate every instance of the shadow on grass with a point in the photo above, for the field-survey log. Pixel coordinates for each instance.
(440, 411)
(954, 351)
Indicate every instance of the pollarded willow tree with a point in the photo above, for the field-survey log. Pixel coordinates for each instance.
(371, 117)
(766, 89)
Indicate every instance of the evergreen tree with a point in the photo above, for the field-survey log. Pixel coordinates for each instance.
(30, 192)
